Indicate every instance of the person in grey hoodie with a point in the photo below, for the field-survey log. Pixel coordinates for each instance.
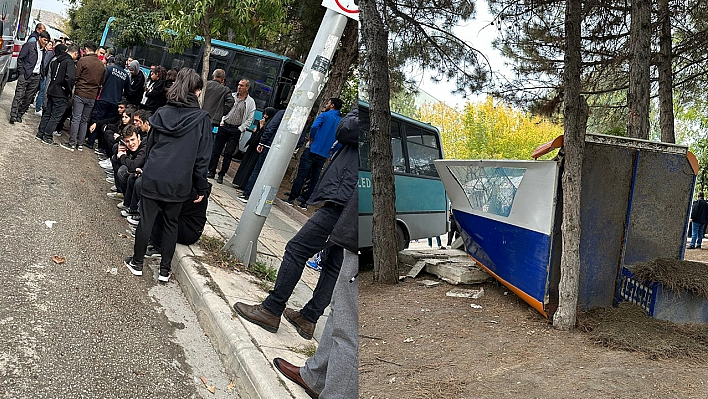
(178, 151)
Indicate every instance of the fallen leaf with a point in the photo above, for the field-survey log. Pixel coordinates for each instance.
(58, 259)
(231, 385)
(211, 389)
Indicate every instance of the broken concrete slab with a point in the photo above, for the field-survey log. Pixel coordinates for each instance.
(428, 283)
(465, 293)
(458, 273)
(413, 273)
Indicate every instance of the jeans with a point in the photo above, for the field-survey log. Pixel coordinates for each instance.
(254, 175)
(133, 190)
(697, 231)
(50, 118)
(149, 209)
(121, 179)
(24, 94)
(311, 239)
(227, 136)
(40, 95)
(310, 165)
(79, 119)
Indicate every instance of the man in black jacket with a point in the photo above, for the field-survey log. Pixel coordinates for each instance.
(337, 190)
(178, 152)
(29, 66)
(217, 98)
(699, 217)
(61, 73)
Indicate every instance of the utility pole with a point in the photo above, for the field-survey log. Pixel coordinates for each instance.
(243, 244)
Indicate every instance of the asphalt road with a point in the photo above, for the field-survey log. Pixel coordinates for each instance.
(76, 330)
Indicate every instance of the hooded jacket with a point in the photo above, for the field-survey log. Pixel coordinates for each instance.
(178, 152)
(116, 84)
(137, 84)
(61, 73)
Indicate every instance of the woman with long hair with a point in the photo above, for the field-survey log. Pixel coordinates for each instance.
(178, 152)
(155, 89)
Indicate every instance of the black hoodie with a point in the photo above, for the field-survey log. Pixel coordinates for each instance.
(178, 152)
(61, 72)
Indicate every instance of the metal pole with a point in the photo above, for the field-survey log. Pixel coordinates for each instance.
(243, 244)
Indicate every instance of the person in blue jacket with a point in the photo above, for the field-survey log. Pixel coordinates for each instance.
(313, 158)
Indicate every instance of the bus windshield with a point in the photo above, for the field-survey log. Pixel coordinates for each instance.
(421, 203)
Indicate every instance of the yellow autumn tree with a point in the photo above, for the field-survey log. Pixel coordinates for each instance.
(488, 130)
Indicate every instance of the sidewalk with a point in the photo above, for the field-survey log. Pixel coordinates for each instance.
(246, 350)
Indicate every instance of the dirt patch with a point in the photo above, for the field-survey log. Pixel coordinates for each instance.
(679, 275)
(416, 342)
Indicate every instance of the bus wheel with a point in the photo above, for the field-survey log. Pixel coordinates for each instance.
(402, 240)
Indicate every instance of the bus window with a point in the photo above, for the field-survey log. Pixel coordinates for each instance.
(188, 58)
(262, 73)
(423, 149)
(399, 160)
(22, 29)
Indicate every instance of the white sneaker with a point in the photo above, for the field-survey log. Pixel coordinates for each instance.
(106, 164)
(56, 134)
(115, 196)
(38, 113)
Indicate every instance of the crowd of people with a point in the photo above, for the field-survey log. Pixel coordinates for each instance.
(159, 147)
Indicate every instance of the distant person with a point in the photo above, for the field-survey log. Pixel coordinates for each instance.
(454, 230)
(30, 64)
(262, 149)
(155, 92)
(60, 84)
(90, 75)
(137, 83)
(217, 99)
(177, 159)
(313, 158)
(699, 217)
(234, 124)
(250, 158)
(40, 101)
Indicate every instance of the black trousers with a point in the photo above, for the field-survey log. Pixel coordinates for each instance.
(227, 136)
(149, 209)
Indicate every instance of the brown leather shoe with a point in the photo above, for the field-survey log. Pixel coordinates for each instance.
(258, 315)
(304, 327)
(293, 374)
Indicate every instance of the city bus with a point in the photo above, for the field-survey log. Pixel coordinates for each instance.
(421, 203)
(272, 76)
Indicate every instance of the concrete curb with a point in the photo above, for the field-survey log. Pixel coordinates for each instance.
(254, 375)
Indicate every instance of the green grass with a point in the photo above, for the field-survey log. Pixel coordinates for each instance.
(263, 271)
(308, 350)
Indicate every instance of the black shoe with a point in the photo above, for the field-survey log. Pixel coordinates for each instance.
(288, 201)
(135, 267)
(164, 276)
(66, 147)
(50, 142)
(12, 120)
(153, 253)
(19, 119)
(242, 198)
(698, 247)
(220, 179)
(302, 206)
(691, 247)
(210, 175)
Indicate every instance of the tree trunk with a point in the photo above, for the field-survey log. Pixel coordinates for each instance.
(575, 123)
(666, 77)
(205, 65)
(375, 38)
(638, 93)
(342, 61)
